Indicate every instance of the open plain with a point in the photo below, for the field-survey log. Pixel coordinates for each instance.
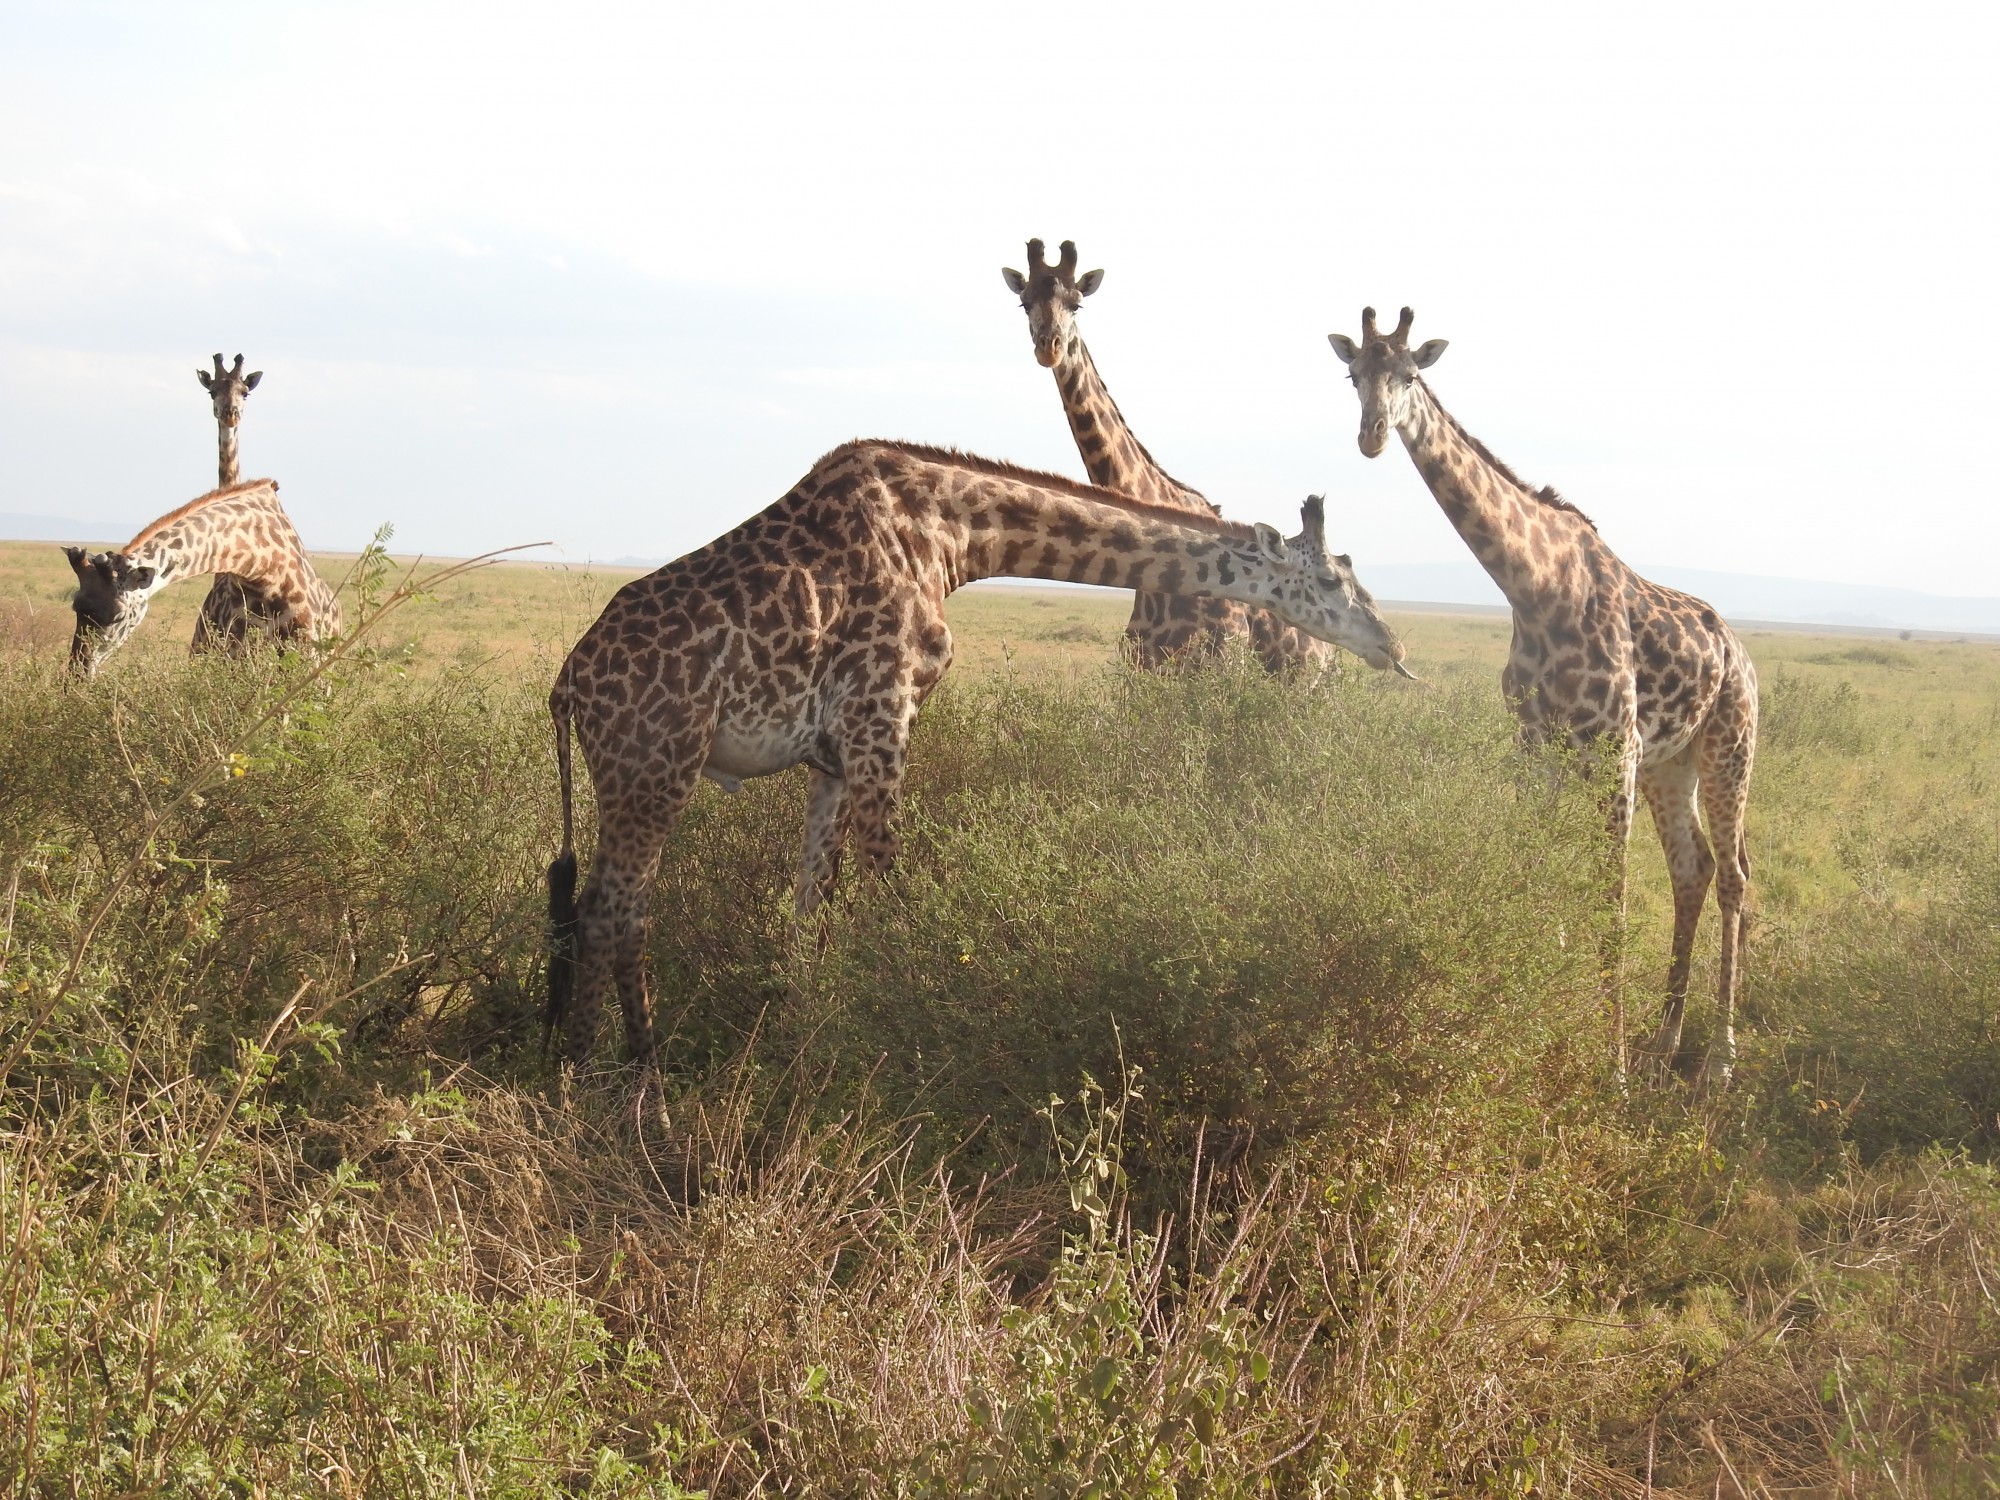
(1217, 1099)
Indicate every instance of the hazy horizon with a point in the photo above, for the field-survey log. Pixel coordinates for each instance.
(616, 277)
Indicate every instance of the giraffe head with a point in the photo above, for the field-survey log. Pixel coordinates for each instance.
(1318, 592)
(111, 597)
(1384, 369)
(228, 389)
(1050, 295)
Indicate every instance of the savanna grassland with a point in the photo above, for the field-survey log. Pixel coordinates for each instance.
(1215, 1101)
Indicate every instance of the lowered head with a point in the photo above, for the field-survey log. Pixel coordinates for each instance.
(111, 597)
(1319, 593)
(1384, 369)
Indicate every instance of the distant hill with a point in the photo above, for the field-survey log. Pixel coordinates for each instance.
(18, 528)
(1740, 596)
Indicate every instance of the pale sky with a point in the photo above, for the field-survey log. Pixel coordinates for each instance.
(615, 275)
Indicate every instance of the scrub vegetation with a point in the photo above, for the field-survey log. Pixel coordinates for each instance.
(1215, 1101)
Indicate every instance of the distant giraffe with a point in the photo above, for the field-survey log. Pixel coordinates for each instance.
(1163, 627)
(1599, 654)
(810, 634)
(241, 530)
(231, 608)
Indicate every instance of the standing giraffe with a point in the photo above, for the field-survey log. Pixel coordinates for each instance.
(241, 530)
(231, 607)
(1599, 653)
(1163, 627)
(811, 633)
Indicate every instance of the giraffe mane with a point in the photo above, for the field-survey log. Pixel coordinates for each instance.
(1546, 495)
(1192, 520)
(181, 512)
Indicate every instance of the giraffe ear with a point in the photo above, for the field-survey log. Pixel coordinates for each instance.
(1016, 282)
(1089, 282)
(1343, 346)
(1270, 543)
(1427, 353)
(78, 559)
(203, 376)
(250, 380)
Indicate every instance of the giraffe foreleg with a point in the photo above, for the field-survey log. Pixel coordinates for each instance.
(223, 624)
(1727, 753)
(874, 741)
(1618, 837)
(1670, 792)
(826, 837)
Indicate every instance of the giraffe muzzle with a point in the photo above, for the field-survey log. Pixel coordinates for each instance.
(1374, 437)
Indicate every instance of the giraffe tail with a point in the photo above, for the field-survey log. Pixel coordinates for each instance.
(562, 886)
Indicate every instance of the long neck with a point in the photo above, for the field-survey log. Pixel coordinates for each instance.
(1527, 545)
(1113, 456)
(1002, 527)
(225, 455)
(247, 535)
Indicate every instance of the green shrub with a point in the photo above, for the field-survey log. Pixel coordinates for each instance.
(284, 1173)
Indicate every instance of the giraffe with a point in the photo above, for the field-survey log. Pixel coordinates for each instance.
(1163, 627)
(1599, 654)
(810, 635)
(241, 530)
(231, 608)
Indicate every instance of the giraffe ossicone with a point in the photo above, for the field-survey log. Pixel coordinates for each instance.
(1600, 656)
(1164, 628)
(811, 634)
(241, 530)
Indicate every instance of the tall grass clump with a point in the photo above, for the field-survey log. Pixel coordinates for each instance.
(1210, 875)
(1216, 1100)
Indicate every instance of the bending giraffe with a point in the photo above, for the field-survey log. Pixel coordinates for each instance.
(1164, 627)
(1599, 654)
(232, 606)
(242, 530)
(810, 635)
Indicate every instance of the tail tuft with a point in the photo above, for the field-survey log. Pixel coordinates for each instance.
(562, 941)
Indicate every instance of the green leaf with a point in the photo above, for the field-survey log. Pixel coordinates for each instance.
(1103, 1378)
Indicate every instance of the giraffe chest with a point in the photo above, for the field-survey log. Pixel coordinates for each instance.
(1627, 687)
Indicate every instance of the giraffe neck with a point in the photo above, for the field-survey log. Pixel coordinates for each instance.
(225, 455)
(245, 533)
(998, 522)
(1527, 544)
(1112, 455)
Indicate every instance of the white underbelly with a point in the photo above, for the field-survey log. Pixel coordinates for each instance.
(738, 754)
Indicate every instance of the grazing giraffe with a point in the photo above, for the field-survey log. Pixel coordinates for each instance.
(811, 633)
(1599, 653)
(1163, 627)
(231, 607)
(241, 530)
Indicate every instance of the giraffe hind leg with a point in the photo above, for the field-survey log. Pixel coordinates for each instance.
(612, 922)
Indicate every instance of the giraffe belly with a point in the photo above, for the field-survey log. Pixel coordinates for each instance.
(740, 752)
